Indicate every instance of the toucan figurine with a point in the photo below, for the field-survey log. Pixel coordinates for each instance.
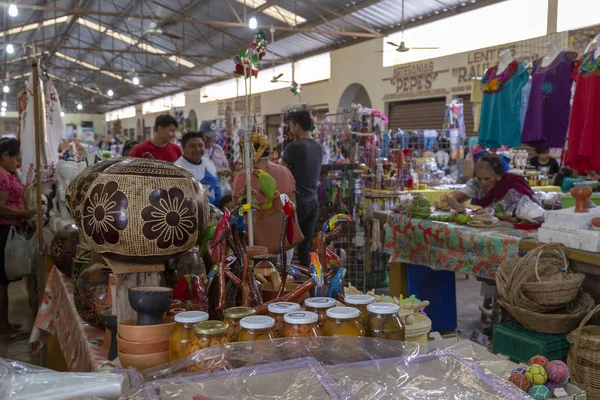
(336, 284)
(208, 234)
(316, 272)
(223, 228)
(332, 222)
(333, 260)
(238, 213)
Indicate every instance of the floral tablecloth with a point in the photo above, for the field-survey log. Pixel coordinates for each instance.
(451, 247)
(80, 343)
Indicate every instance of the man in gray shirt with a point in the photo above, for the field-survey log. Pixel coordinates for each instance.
(304, 157)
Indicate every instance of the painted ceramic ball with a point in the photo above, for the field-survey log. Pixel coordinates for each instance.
(540, 392)
(557, 371)
(91, 293)
(539, 360)
(519, 370)
(144, 210)
(64, 247)
(520, 381)
(553, 385)
(75, 194)
(536, 374)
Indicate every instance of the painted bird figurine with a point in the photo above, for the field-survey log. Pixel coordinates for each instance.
(238, 214)
(333, 260)
(316, 272)
(267, 186)
(208, 234)
(332, 222)
(289, 210)
(336, 284)
(220, 238)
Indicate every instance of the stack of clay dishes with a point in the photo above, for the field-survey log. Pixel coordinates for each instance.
(144, 342)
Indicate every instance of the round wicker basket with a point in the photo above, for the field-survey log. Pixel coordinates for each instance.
(418, 332)
(584, 356)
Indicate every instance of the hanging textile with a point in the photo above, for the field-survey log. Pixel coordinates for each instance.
(501, 107)
(584, 125)
(54, 124)
(547, 117)
(28, 134)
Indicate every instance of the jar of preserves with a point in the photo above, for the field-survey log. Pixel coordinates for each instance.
(360, 301)
(207, 334)
(278, 310)
(256, 327)
(384, 322)
(301, 324)
(232, 317)
(319, 305)
(182, 333)
(344, 321)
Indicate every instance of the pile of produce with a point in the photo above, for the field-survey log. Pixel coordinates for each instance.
(542, 379)
(442, 204)
(460, 219)
(484, 217)
(419, 208)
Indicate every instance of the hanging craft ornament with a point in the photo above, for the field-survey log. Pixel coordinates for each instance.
(247, 62)
(295, 88)
(262, 141)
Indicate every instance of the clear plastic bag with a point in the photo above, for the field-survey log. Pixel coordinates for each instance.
(19, 381)
(324, 368)
(529, 210)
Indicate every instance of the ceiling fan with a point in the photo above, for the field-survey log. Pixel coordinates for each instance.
(402, 48)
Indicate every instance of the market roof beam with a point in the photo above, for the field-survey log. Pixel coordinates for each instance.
(343, 17)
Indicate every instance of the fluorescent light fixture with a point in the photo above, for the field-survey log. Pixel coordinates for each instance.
(2, 114)
(276, 12)
(14, 60)
(3, 109)
(6, 89)
(13, 11)
(252, 23)
(37, 25)
(62, 113)
(10, 48)
(79, 106)
(132, 41)
(20, 76)
(4, 104)
(110, 92)
(136, 80)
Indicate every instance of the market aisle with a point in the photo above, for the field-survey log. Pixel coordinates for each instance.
(19, 313)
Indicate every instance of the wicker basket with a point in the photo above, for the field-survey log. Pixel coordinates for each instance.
(419, 331)
(560, 321)
(536, 282)
(584, 356)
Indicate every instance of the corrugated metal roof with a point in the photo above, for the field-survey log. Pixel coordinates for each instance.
(209, 48)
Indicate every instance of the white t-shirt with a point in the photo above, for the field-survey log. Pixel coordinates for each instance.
(206, 173)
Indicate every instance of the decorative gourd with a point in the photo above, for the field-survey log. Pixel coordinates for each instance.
(64, 247)
(144, 210)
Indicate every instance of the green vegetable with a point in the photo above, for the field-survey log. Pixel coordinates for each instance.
(461, 219)
(419, 208)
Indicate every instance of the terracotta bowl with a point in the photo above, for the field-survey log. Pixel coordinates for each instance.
(130, 347)
(143, 361)
(128, 330)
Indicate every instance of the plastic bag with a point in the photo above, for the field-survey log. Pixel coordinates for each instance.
(19, 381)
(17, 254)
(323, 368)
(529, 210)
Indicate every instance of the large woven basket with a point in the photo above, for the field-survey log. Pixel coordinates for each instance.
(537, 281)
(419, 331)
(563, 320)
(584, 356)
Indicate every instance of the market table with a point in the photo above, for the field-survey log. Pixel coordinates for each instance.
(434, 195)
(57, 316)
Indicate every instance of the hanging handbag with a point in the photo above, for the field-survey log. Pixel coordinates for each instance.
(18, 254)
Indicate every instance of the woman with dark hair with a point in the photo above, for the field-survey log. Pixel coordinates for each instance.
(491, 185)
(12, 212)
(566, 179)
(128, 146)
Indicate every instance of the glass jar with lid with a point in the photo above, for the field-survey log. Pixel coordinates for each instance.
(232, 317)
(319, 305)
(344, 321)
(384, 322)
(256, 327)
(360, 301)
(278, 310)
(301, 324)
(182, 333)
(207, 334)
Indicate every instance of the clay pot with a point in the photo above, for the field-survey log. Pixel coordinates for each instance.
(144, 210)
(144, 361)
(91, 292)
(150, 303)
(110, 323)
(131, 347)
(128, 330)
(581, 196)
(82, 260)
(64, 248)
(596, 222)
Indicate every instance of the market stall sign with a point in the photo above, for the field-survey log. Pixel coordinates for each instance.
(414, 79)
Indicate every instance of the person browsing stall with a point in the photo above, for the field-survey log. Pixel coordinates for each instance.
(491, 185)
(567, 178)
(129, 146)
(304, 157)
(194, 160)
(160, 146)
(544, 163)
(12, 212)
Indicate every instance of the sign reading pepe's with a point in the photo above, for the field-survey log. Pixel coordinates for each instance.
(415, 77)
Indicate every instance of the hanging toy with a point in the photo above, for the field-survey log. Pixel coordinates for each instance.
(295, 88)
(248, 66)
(262, 141)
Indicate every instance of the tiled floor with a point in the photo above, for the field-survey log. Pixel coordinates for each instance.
(19, 313)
